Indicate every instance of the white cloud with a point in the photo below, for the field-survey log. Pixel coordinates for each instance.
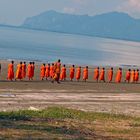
(132, 7)
(75, 6)
(69, 10)
(134, 4)
(81, 7)
(80, 2)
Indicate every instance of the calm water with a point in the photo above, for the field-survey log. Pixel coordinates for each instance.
(48, 46)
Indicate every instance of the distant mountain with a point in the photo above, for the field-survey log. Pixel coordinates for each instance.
(111, 25)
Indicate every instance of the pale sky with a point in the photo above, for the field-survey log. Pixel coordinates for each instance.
(14, 12)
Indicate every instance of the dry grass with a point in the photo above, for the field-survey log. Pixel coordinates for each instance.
(61, 123)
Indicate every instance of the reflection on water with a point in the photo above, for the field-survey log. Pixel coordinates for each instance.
(48, 46)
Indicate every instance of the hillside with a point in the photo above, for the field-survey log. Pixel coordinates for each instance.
(113, 25)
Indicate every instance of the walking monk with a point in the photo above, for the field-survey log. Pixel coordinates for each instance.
(110, 75)
(57, 70)
(85, 73)
(19, 71)
(52, 71)
(102, 75)
(10, 75)
(96, 74)
(72, 71)
(42, 71)
(119, 75)
(128, 75)
(63, 73)
(137, 75)
(78, 73)
(29, 72)
(132, 76)
(33, 70)
(47, 72)
(23, 70)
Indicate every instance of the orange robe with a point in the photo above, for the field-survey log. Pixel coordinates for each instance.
(136, 76)
(29, 73)
(57, 71)
(72, 70)
(10, 74)
(102, 75)
(96, 74)
(119, 76)
(128, 75)
(51, 71)
(57, 67)
(85, 74)
(42, 71)
(78, 73)
(63, 73)
(23, 70)
(47, 73)
(33, 70)
(19, 72)
(110, 75)
(132, 76)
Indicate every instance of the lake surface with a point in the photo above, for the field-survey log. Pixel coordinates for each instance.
(24, 44)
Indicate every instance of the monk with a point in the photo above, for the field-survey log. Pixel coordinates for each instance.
(137, 76)
(119, 75)
(42, 71)
(132, 76)
(23, 70)
(10, 75)
(102, 75)
(63, 73)
(78, 73)
(57, 71)
(33, 69)
(19, 71)
(85, 74)
(128, 75)
(47, 72)
(29, 71)
(72, 71)
(96, 74)
(110, 75)
(52, 71)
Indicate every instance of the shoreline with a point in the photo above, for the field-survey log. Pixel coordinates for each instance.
(76, 34)
(68, 64)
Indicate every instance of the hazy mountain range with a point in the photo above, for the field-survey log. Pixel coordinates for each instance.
(109, 25)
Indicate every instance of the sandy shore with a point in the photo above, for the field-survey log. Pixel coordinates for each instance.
(100, 97)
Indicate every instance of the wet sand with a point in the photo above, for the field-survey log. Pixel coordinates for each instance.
(91, 96)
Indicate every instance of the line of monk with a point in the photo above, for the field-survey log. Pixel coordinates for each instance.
(132, 76)
(55, 72)
(21, 71)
